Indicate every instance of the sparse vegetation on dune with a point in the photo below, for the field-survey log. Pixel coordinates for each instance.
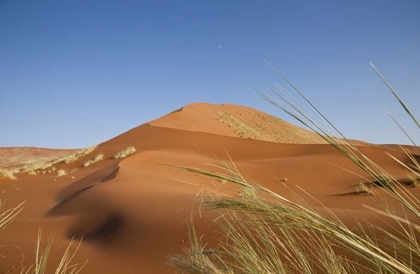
(42, 253)
(44, 167)
(364, 189)
(97, 158)
(8, 215)
(5, 173)
(65, 266)
(61, 172)
(267, 233)
(78, 154)
(264, 127)
(124, 153)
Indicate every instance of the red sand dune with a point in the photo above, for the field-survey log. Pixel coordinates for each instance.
(133, 213)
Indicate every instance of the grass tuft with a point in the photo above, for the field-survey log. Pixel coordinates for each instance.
(8, 215)
(61, 172)
(265, 232)
(4, 173)
(124, 153)
(97, 158)
(364, 189)
(65, 266)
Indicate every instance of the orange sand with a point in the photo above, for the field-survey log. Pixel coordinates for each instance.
(132, 213)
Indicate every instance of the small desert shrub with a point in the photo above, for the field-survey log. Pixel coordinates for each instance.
(97, 158)
(61, 172)
(125, 152)
(4, 173)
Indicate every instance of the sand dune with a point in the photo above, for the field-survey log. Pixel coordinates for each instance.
(236, 121)
(132, 213)
(15, 156)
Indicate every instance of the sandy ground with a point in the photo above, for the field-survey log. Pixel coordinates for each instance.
(132, 213)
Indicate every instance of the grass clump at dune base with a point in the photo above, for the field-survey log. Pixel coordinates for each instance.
(124, 153)
(263, 232)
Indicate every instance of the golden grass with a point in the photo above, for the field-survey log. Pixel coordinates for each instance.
(61, 172)
(364, 189)
(124, 153)
(42, 253)
(97, 158)
(46, 167)
(8, 215)
(266, 233)
(265, 127)
(65, 266)
(5, 173)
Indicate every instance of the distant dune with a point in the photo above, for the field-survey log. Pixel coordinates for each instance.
(13, 156)
(132, 212)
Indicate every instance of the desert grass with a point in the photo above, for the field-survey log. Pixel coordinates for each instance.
(266, 233)
(45, 167)
(124, 153)
(61, 172)
(42, 253)
(8, 215)
(364, 189)
(266, 127)
(5, 173)
(97, 158)
(65, 266)
(413, 180)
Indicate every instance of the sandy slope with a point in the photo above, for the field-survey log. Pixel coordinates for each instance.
(133, 214)
(236, 121)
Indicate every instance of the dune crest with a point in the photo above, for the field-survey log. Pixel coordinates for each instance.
(236, 121)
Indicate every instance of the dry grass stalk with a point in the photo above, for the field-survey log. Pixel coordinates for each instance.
(267, 233)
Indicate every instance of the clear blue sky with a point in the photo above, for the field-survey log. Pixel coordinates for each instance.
(75, 73)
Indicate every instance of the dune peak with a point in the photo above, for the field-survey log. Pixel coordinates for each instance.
(236, 121)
